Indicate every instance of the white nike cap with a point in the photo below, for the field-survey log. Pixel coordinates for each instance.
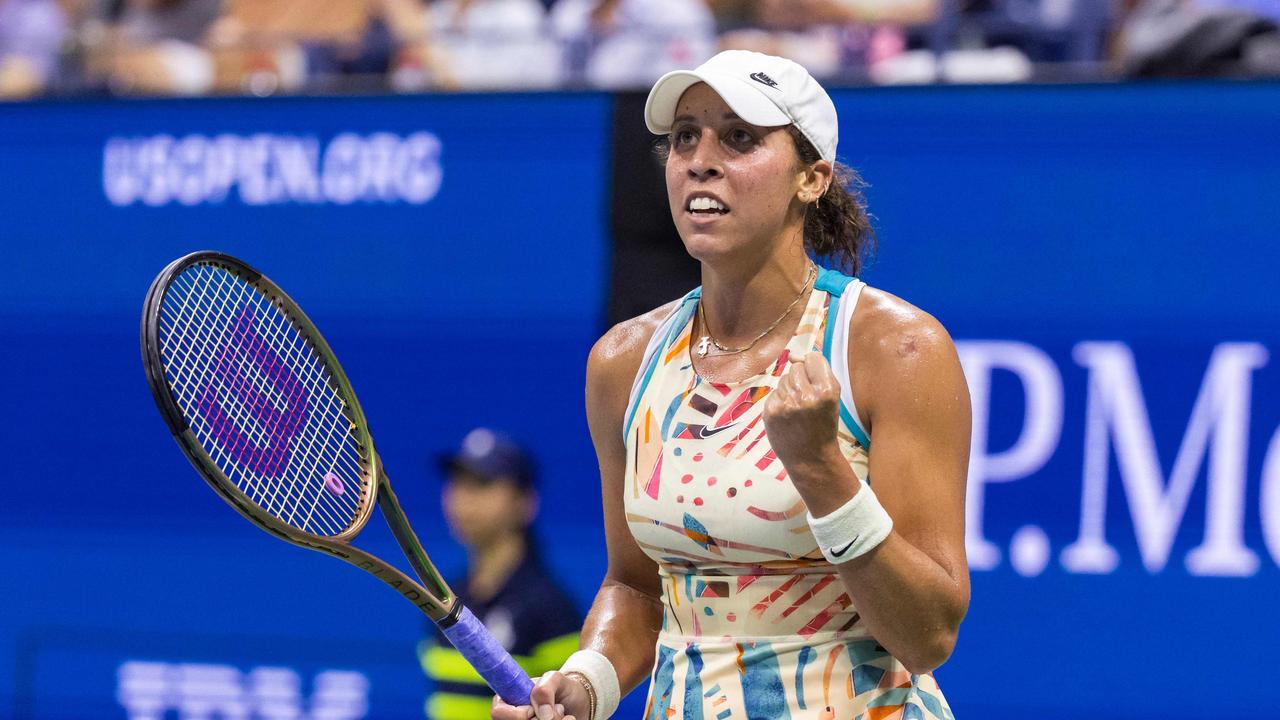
(762, 89)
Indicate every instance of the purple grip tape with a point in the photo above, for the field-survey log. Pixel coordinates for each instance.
(489, 658)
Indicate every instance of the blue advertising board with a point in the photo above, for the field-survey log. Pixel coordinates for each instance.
(1104, 256)
(451, 249)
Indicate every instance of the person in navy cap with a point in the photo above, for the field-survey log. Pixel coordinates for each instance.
(490, 503)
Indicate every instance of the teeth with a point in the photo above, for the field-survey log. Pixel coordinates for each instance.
(705, 203)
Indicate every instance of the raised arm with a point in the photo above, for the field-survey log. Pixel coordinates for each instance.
(912, 590)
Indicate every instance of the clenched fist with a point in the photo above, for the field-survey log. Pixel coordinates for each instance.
(800, 418)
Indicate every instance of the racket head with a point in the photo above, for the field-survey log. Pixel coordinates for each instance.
(257, 400)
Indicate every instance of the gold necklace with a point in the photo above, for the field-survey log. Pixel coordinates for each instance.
(707, 341)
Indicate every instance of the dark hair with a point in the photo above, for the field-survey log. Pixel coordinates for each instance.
(837, 229)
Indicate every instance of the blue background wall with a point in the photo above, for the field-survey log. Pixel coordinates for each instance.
(1048, 216)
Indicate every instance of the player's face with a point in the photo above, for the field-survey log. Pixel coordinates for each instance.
(732, 186)
(480, 511)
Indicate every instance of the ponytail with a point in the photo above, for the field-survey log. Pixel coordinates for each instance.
(837, 227)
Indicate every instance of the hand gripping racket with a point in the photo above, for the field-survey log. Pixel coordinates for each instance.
(261, 407)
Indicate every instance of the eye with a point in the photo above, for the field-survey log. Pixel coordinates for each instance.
(683, 137)
(740, 137)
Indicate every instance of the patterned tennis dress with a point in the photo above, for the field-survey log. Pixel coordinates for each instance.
(756, 624)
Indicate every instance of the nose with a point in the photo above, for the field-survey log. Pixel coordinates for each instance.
(704, 164)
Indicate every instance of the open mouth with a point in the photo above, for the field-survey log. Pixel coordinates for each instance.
(706, 206)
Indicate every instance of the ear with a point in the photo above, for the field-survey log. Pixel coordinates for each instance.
(815, 180)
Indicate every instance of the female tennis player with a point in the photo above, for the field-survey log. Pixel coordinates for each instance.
(764, 561)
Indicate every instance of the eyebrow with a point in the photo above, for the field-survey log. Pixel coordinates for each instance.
(690, 118)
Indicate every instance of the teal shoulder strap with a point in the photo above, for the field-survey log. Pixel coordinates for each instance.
(835, 283)
(855, 427)
(658, 344)
(832, 281)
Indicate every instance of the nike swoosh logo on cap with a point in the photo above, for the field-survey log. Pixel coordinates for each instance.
(837, 553)
(763, 79)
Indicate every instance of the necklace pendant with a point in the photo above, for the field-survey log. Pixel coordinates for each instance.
(704, 346)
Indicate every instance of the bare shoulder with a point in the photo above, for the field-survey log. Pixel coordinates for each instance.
(898, 348)
(615, 359)
(886, 328)
(621, 349)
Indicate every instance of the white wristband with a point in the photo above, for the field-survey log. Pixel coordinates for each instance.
(598, 671)
(853, 529)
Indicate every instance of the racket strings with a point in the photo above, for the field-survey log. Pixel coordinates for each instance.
(334, 407)
(267, 495)
(295, 498)
(260, 401)
(285, 501)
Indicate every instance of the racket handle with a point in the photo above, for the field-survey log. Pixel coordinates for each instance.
(489, 658)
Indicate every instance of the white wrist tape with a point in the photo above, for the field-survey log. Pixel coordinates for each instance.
(598, 671)
(853, 529)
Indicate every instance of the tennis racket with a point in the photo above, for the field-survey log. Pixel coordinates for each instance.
(261, 407)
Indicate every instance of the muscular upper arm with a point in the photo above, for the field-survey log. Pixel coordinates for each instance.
(913, 399)
(611, 369)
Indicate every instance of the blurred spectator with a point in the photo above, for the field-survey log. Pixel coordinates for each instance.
(831, 38)
(1184, 38)
(237, 46)
(388, 46)
(982, 41)
(490, 503)
(485, 44)
(417, 64)
(262, 47)
(1070, 31)
(146, 22)
(153, 46)
(31, 35)
(618, 44)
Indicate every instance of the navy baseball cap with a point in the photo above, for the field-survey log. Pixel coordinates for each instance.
(490, 455)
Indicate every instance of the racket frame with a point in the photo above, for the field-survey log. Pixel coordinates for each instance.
(439, 602)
